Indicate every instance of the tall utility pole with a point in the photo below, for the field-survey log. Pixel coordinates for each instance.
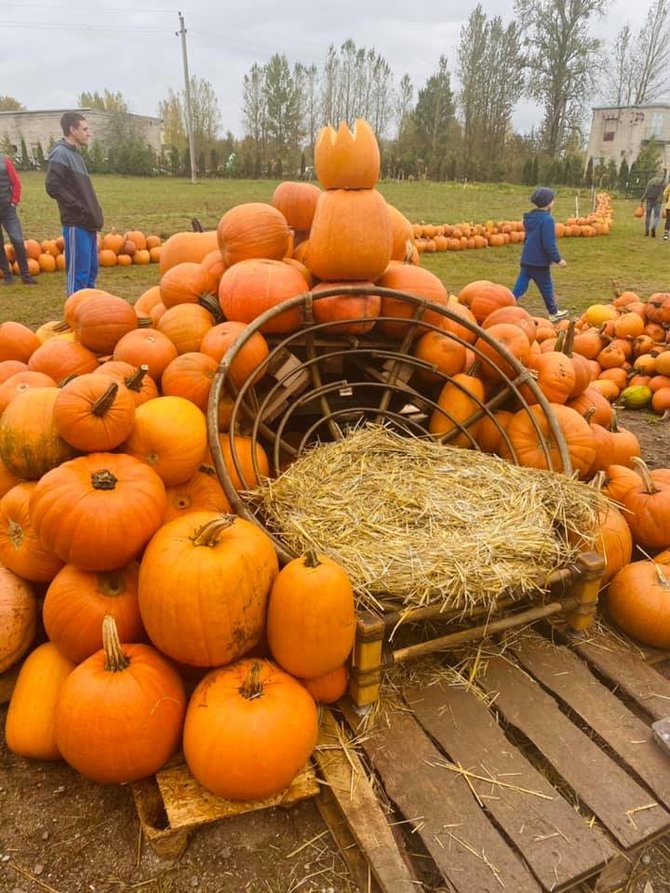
(187, 95)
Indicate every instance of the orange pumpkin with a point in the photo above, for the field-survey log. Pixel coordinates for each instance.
(330, 687)
(459, 400)
(18, 617)
(252, 230)
(146, 347)
(201, 493)
(20, 549)
(17, 342)
(347, 158)
(311, 616)
(101, 320)
(94, 413)
(414, 281)
(60, 359)
(98, 511)
(261, 718)
(137, 380)
(576, 432)
(30, 727)
(351, 236)
(77, 601)
(221, 337)
(251, 287)
(297, 202)
(638, 600)
(186, 246)
(185, 325)
(152, 438)
(192, 567)
(345, 313)
(30, 444)
(483, 297)
(190, 375)
(120, 713)
(188, 283)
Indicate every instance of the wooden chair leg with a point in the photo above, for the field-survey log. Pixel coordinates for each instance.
(584, 591)
(366, 671)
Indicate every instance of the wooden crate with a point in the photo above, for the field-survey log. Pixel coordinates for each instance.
(171, 804)
(552, 782)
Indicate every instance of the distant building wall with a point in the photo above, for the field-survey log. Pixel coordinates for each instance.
(42, 127)
(621, 132)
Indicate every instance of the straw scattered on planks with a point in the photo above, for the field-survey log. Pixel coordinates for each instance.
(415, 522)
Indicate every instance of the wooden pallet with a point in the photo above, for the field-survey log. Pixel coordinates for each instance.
(171, 804)
(546, 778)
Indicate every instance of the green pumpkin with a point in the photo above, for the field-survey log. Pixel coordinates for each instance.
(636, 397)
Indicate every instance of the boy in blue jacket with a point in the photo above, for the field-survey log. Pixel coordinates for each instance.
(540, 251)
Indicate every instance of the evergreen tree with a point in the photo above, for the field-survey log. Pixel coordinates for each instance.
(39, 157)
(588, 175)
(624, 171)
(24, 161)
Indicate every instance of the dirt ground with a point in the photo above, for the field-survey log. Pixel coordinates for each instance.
(62, 834)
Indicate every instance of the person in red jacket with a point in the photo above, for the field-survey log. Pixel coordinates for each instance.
(10, 196)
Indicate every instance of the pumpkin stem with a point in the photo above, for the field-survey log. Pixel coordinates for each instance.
(209, 534)
(252, 687)
(569, 342)
(103, 480)
(311, 558)
(115, 659)
(144, 322)
(210, 303)
(598, 480)
(662, 579)
(641, 468)
(208, 470)
(103, 404)
(134, 381)
(590, 412)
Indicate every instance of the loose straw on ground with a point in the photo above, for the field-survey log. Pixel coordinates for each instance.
(415, 522)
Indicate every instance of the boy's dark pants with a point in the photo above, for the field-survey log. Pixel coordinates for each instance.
(9, 220)
(541, 276)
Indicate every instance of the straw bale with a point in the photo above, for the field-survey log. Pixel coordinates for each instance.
(415, 522)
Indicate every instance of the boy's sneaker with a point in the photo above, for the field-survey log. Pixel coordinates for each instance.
(8, 279)
(29, 280)
(560, 314)
(665, 237)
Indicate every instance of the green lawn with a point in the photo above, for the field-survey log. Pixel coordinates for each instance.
(164, 206)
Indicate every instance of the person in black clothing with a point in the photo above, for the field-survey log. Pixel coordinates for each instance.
(653, 195)
(81, 216)
(10, 196)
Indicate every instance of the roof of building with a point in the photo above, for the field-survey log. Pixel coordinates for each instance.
(80, 110)
(647, 105)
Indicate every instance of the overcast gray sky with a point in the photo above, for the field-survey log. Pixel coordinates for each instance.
(51, 50)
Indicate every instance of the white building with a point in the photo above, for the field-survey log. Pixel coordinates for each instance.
(620, 132)
(43, 127)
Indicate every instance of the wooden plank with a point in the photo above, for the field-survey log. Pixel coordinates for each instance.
(439, 806)
(629, 812)
(631, 674)
(555, 841)
(187, 804)
(347, 782)
(566, 675)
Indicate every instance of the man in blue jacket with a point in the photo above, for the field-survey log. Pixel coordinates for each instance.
(81, 216)
(540, 251)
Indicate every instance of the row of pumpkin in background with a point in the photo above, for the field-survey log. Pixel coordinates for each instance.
(134, 247)
(114, 249)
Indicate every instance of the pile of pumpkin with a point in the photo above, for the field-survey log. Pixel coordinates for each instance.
(628, 342)
(114, 249)
(430, 238)
(110, 507)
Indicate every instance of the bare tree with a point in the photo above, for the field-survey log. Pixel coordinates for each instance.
(404, 99)
(562, 61)
(486, 102)
(641, 70)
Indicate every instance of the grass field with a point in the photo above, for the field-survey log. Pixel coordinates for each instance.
(165, 206)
